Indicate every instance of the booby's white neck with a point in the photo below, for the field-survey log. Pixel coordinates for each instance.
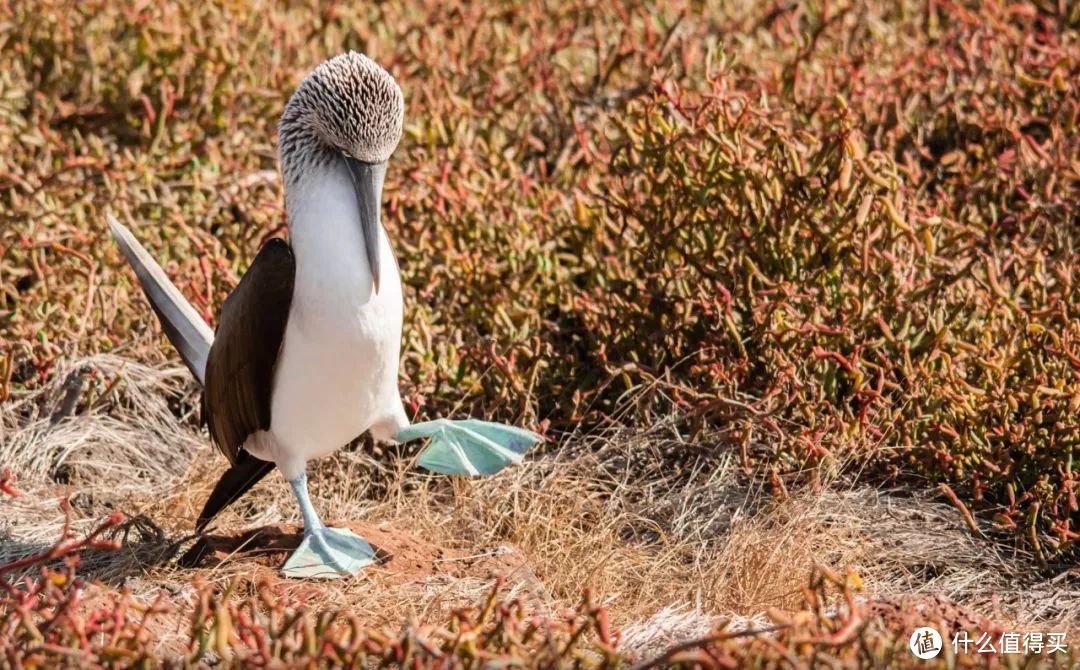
(327, 240)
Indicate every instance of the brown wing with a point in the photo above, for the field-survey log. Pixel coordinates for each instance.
(240, 367)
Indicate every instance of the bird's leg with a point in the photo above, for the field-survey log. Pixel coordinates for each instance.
(312, 522)
(469, 446)
(324, 552)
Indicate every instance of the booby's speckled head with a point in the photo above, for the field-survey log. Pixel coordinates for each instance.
(347, 105)
(347, 115)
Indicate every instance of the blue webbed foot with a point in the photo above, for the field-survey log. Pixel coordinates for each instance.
(469, 447)
(329, 553)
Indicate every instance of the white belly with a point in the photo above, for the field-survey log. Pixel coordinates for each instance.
(336, 375)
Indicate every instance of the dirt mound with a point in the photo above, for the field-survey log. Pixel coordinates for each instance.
(403, 557)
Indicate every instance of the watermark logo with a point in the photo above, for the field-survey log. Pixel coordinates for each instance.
(925, 643)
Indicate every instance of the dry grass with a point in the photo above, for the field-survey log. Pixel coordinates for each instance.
(674, 538)
(39, 436)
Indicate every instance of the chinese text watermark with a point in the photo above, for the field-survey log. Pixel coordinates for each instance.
(926, 643)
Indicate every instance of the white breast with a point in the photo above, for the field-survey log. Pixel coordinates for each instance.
(336, 375)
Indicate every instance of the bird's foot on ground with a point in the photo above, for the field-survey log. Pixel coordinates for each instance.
(329, 553)
(469, 447)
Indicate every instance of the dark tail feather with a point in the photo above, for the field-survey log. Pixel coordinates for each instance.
(234, 483)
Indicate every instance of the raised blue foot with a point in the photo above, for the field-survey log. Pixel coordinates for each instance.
(329, 553)
(469, 446)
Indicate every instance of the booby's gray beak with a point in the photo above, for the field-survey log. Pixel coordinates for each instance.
(367, 181)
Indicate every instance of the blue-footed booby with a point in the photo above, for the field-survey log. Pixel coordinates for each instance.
(306, 352)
